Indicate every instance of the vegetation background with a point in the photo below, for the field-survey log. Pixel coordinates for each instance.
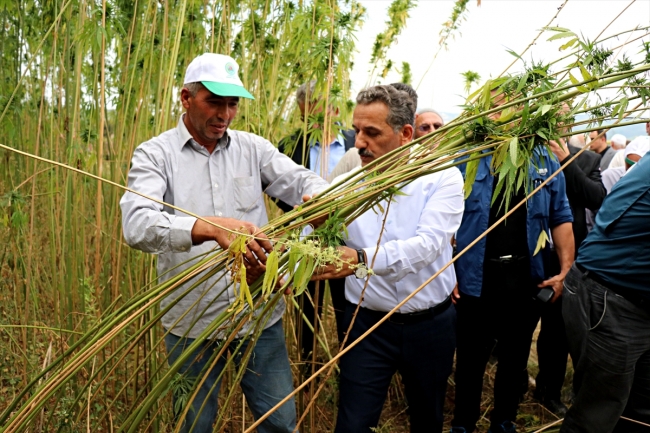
(83, 83)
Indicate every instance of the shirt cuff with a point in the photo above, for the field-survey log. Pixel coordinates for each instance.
(181, 233)
(380, 266)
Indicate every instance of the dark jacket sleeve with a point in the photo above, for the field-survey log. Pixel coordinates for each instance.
(583, 182)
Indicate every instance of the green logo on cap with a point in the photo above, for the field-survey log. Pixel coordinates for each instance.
(230, 69)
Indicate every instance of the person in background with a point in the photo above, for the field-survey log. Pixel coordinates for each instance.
(632, 153)
(497, 281)
(310, 153)
(207, 168)
(606, 311)
(351, 160)
(618, 142)
(584, 190)
(427, 120)
(599, 145)
(419, 340)
(577, 141)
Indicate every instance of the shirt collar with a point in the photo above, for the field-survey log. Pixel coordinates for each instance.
(185, 137)
(339, 140)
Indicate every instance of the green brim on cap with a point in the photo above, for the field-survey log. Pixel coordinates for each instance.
(225, 89)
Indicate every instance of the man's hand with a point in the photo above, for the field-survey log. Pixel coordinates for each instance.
(560, 150)
(455, 295)
(256, 249)
(556, 283)
(350, 259)
(317, 222)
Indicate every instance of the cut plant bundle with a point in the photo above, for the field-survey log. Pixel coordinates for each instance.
(105, 376)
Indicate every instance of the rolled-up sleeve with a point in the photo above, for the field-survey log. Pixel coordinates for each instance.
(145, 223)
(560, 211)
(438, 222)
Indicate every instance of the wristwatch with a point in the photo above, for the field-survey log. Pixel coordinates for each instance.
(362, 268)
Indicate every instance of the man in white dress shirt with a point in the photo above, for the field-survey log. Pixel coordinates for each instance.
(419, 340)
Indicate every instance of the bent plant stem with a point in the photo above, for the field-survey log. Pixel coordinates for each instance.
(416, 291)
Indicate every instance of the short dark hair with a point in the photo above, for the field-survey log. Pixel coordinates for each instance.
(401, 111)
(602, 131)
(408, 89)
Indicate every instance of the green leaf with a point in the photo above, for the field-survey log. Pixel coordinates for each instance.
(569, 44)
(561, 36)
(586, 76)
(557, 29)
(470, 176)
(513, 150)
(573, 79)
(271, 274)
(541, 242)
(245, 291)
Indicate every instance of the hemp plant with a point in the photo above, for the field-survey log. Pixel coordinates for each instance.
(113, 370)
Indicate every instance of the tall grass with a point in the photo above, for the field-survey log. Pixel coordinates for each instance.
(83, 83)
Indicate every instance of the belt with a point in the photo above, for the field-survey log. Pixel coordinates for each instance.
(509, 259)
(410, 318)
(629, 294)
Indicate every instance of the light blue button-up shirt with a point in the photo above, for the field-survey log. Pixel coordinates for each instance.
(415, 244)
(174, 168)
(335, 152)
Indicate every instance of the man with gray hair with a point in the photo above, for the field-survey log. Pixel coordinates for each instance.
(414, 232)
(427, 120)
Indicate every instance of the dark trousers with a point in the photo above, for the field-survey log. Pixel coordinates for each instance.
(337, 293)
(609, 341)
(552, 352)
(552, 347)
(422, 352)
(505, 312)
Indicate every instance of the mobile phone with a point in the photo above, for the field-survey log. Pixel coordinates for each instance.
(545, 294)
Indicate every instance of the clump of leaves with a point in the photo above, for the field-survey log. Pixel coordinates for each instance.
(471, 77)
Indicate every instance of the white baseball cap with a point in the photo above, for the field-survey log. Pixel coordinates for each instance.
(218, 73)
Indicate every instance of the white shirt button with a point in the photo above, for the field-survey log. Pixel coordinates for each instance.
(216, 185)
(219, 214)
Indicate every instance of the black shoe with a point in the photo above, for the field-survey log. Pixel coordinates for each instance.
(556, 406)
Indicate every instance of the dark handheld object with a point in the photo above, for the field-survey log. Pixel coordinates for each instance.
(545, 294)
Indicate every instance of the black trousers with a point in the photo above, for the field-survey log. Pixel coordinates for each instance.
(422, 352)
(505, 312)
(552, 346)
(609, 339)
(337, 293)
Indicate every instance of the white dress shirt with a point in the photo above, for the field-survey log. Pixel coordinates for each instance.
(415, 244)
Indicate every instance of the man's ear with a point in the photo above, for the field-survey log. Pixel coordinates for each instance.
(185, 96)
(407, 134)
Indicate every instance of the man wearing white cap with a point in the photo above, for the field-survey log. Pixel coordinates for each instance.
(206, 168)
(632, 153)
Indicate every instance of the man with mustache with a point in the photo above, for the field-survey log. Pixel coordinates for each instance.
(206, 168)
(414, 231)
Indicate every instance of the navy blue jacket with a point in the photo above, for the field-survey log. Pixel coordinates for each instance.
(546, 209)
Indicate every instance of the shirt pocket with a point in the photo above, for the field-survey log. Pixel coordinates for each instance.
(246, 197)
(540, 201)
(477, 198)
